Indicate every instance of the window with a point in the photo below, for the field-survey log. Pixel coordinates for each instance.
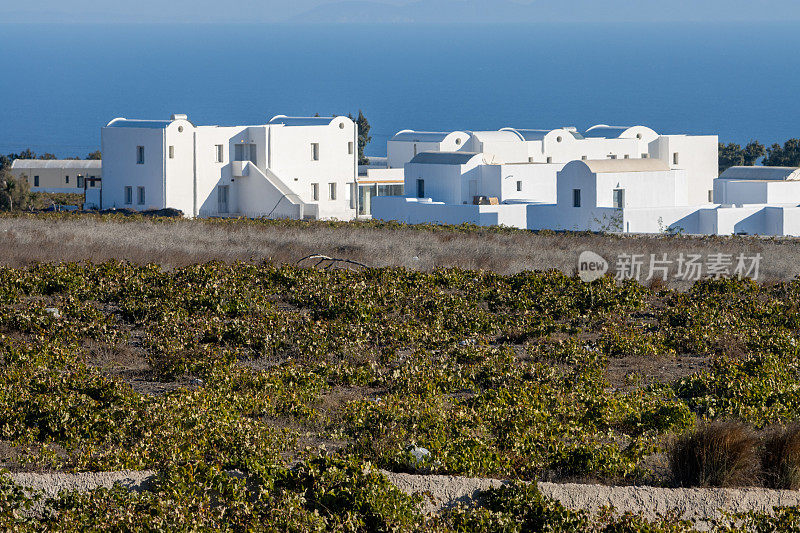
(91, 182)
(549, 159)
(128, 195)
(140, 195)
(80, 181)
(584, 158)
(519, 186)
(171, 152)
(415, 150)
(710, 196)
(530, 160)
(245, 152)
(420, 188)
(219, 153)
(223, 192)
(332, 191)
(140, 155)
(576, 197)
(559, 139)
(619, 198)
(66, 180)
(350, 148)
(627, 156)
(458, 141)
(645, 156)
(612, 156)
(675, 158)
(36, 181)
(315, 191)
(315, 151)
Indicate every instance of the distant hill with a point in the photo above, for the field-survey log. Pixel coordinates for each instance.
(497, 11)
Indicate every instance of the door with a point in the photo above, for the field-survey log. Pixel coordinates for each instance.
(223, 192)
(473, 191)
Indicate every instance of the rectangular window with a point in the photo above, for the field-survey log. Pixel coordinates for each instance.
(519, 186)
(140, 155)
(253, 156)
(91, 182)
(332, 191)
(315, 191)
(420, 188)
(415, 150)
(315, 151)
(576, 197)
(128, 195)
(627, 156)
(36, 181)
(645, 156)
(219, 153)
(612, 156)
(171, 152)
(549, 159)
(675, 158)
(710, 196)
(350, 148)
(584, 158)
(238, 152)
(66, 180)
(80, 181)
(530, 160)
(619, 198)
(140, 195)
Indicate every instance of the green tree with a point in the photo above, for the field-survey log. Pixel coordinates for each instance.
(96, 155)
(731, 155)
(363, 136)
(787, 155)
(15, 193)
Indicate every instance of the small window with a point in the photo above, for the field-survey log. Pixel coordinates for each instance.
(128, 195)
(420, 188)
(36, 181)
(675, 158)
(627, 156)
(219, 153)
(341, 125)
(530, 160)
(645, 156)
(91, 181)
(350, 148)
(315, 151)
(612, 156)
(584, 158)
(415, 150)
(519, 186)
(619, 198)
(66, 180)
(710, 196)
(332, 191)
(549, 159)
(315, 191)
(171, 152)
(180, 129)
(639, 136)
(458, 141)
(559, 139)
(140, 155)
(140, 195)
(576, 197)
(80, 182)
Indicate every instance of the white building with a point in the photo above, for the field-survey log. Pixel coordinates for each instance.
(59, 175)
(515, 176)
(288, 168)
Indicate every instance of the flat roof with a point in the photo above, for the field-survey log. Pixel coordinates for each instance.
(444, 158)
(58, 163)
(755, 173)
(606, 166)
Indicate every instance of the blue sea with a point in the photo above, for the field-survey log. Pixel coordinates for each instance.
(59, 84)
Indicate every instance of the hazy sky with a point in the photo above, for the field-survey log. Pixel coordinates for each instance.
(370, 10)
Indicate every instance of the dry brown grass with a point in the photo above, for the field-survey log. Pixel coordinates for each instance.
(28, 239)
(717, 454)
(780, 460)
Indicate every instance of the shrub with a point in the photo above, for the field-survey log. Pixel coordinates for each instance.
(780, 460)
(718, 454)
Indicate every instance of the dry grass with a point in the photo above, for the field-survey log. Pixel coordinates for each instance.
(780, 460)
(28, 239)
(718, 454)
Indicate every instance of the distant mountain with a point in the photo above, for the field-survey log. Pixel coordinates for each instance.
(500, 11)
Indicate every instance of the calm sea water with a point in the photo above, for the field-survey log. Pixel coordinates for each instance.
(60, 83)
